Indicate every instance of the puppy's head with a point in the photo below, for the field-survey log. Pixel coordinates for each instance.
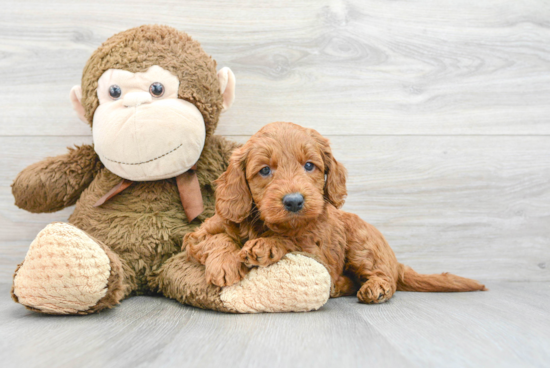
(287, 171)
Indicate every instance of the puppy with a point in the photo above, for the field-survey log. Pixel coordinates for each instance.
(281, 193)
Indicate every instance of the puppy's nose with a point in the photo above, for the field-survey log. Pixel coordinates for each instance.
(293, 202)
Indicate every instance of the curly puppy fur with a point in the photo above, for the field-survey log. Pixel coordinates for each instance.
(142, 228)
(252, 227)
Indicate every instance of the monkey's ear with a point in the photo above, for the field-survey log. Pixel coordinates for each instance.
(76, 97)
(227, 87)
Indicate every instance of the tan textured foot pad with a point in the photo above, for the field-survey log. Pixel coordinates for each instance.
(64, 272)
(296, 283)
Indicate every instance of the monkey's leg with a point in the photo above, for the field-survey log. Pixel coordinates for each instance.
(66, 271)
(297, 283)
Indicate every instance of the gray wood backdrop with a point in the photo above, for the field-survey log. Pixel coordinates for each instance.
(440, 110)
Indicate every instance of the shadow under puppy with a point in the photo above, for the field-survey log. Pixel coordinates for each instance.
(281, 193)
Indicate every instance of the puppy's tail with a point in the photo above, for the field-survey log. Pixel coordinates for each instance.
(410, 280)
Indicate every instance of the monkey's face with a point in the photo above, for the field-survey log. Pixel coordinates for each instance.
(142, 131)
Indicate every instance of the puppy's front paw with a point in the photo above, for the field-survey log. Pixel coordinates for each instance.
(225, 270)
(262, 252)
(375, 290)
(193, 243)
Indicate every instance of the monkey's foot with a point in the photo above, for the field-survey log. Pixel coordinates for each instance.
(297, 283)
(65, 272)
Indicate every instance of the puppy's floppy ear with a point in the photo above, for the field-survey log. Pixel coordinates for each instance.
(335, 173)
(233, 198)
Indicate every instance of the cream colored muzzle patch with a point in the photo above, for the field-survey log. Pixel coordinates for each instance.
(149, 142)
(64, 271)
(296, 283)
(141, 136)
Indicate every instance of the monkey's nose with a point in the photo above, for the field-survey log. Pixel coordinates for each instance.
(293, 202)
(136, 98)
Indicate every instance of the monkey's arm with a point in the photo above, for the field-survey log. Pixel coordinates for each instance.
(56, 182)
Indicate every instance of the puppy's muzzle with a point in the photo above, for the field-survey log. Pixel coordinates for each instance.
(293, 202)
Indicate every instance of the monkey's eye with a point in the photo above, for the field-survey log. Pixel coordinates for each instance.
(115, 92)
(156, 89)
(309, 166)
(265, 171)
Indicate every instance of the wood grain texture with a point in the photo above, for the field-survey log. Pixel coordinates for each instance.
(508, 326)
(348, 67)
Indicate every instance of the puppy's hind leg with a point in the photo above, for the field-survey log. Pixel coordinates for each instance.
(371, 260)
(343, 286)
(377, 289)
(378, 284)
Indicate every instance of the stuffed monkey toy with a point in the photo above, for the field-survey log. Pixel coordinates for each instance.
(153, 98)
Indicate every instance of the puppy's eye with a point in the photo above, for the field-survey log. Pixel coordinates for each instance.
(265, 171)
(115, 92)
(309, 166)
(156, 89)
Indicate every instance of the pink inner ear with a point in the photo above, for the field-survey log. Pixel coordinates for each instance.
(76, 97)
(227, 87)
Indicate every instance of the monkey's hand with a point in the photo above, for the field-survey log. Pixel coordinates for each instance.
(56, 182)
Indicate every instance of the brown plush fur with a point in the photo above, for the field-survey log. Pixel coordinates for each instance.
(56, 182)
(141, 229)
(184, 281)
(252, 227)
(137, 49)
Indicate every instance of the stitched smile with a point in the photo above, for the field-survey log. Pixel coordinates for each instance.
(144, 162)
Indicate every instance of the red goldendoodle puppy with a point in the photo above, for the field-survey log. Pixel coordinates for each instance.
(282, 193)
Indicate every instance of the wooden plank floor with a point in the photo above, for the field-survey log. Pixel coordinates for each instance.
(508, 326)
